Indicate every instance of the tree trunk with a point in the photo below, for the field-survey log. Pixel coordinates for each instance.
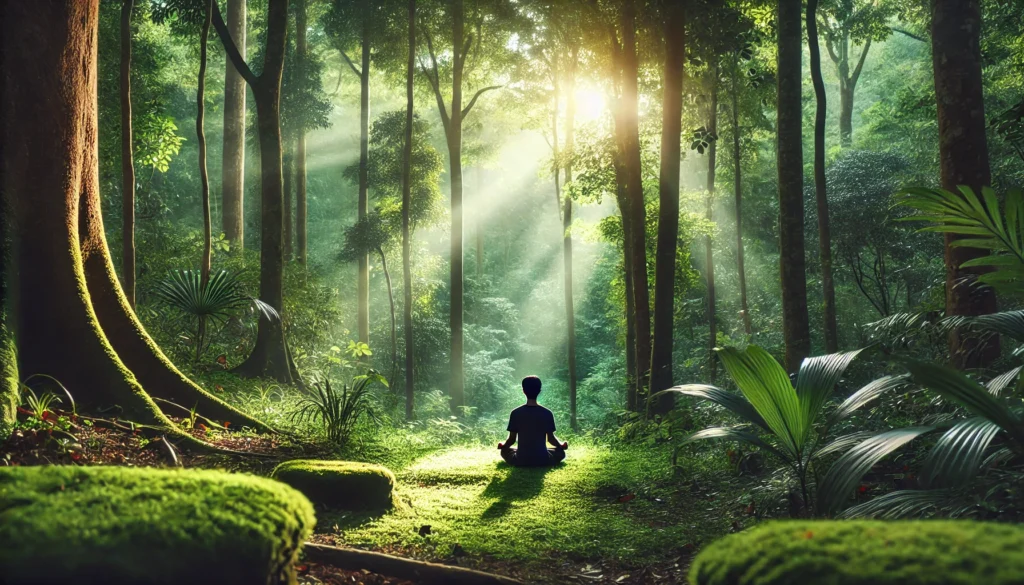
(288, 173)
(394, 325)
(789, 157)
(630, 132)
(363, 265)
(478, 224)
(845, 115)
(738, 188)
(821, 195)
(233, 172)
(127, 158)
(406, 207)
(570, 310)
(963, 159)
(454, 139)
(668, 210)
(204, 176)
(73, 321)
(709, 259)
(270, 356)
(301, 240)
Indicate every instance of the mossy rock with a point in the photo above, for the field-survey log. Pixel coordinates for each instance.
(113, 525)
(347, 485)
(924, 552)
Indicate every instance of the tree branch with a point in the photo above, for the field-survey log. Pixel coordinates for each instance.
(860, 63)
(909, 34)
(435, 81)
(232, 50)
(465, 111)
(351, 64)
(831, 50)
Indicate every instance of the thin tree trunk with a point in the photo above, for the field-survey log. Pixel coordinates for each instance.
(406, 207)
(233, 171)
(454, 136)
(738, 188)
(668, 210)
(630, 131)
(632, 393)
(301, 239)
(127, 158)
(570, 311)
(363, 266)
(479, 223)
(963, 159)
(67, 298)
(789, 156)
(709, 258)
(821, 195)
(845, 116)
(270, 357)
(204, 176)
(394, 319)
(288, 173)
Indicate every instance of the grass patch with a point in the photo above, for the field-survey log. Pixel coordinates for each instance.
(122, 525)
(601, 503)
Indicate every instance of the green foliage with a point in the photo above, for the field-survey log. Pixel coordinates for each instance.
(123, 525)
(9, 380)
(865, 553)
(340, 484)
(338, 412)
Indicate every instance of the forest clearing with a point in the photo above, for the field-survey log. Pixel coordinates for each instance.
(495, 292)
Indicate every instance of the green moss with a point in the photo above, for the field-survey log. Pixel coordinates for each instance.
(121, 525)
(340, 484)
(8, 381)
(865, 552)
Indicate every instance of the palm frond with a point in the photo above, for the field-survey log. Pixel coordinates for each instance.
(899, 504)
(765, 384)
(996, 385)
(956, 458)
(817, 379)
(848, 470)
(735, 403)
(841, 444)
(866, 394)
(183, 290)
(735, 434)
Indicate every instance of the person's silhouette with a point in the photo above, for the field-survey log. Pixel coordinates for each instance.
(532, 425)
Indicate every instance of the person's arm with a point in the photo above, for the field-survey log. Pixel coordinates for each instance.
(556, 441)
(511, 440)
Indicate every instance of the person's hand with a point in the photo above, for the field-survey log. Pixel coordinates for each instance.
(565, 445)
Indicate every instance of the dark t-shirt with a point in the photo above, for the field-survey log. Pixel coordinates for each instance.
(532, 424)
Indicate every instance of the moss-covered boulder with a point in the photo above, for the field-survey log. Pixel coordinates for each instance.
(117, 525)
(347, 485)
(925, 552)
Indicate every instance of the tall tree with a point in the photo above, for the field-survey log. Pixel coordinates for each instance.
(233, 169)
(302, 56)
(737, 162)
(709, 214)
(72, 319)
(820, 193)
(465, 48)
(790, 162)
(963, 159)
(127, 159)
(410, 103)
(288, 174)
(270, 356)
(204, 176)
(668, 194)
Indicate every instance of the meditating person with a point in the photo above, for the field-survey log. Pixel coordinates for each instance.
(532, 425)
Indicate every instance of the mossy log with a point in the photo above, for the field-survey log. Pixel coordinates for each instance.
(340, 484)
(115, 525)
(925, 552)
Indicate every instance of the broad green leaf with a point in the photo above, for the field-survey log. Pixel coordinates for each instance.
(733, 402)
(765, 384)
(956, 458)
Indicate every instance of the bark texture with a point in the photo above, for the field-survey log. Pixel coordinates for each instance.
(301, 49)
(127, 158)
(790, 161)
(963, 159)
(204, 176)
(233, 170)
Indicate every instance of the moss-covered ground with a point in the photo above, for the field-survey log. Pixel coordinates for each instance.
(624, 504)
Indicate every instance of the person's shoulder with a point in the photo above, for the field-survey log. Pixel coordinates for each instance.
(546, 410)
(518, 409)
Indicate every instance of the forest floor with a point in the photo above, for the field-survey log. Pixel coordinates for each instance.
(606, 515)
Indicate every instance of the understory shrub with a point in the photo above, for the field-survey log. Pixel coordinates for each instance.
(948, 552)
(117, 525)
(347, 485)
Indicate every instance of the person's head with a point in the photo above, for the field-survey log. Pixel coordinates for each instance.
(531, 387)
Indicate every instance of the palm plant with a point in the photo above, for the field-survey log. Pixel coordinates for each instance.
(965, 449)
(338, 412)
(216, 302)
(789, 423)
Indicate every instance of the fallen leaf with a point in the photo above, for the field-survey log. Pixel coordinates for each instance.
(626, 498)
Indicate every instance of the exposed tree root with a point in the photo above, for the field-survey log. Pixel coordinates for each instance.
(392, 566)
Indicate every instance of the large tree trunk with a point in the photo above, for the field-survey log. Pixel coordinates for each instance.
(454, 139)
(570, 311)
(127, 158)
(393, 314)
(963, 159)
(790, 161)
(233, 171)
(73, 321)
(738, 188)
(845, 115)
(301, 240)
(668, 211)
(362, 263)
(204, 176)
(821, 195)
(709, 258)
(630, 132)
(406, 208)
(288, 173)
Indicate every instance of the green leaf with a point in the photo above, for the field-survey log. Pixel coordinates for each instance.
(731, 401)
(899, 504)
(956, 458)
(738, 435)
(765, 384)
(817, 379)
(867, 394)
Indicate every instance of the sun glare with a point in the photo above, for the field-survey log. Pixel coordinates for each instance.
(590, 104)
